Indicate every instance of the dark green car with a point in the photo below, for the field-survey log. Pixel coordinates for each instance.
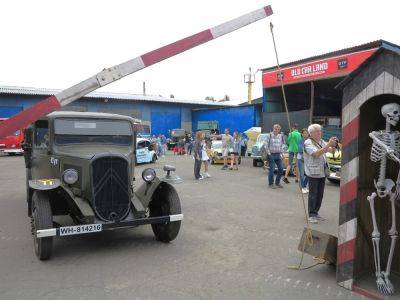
(81, 165)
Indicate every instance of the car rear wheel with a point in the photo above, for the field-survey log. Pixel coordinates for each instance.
(154, 158)
(255, 163)
(165, 202)
(42, 218)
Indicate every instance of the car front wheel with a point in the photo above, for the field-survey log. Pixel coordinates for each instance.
(42, 218)
(165, 202)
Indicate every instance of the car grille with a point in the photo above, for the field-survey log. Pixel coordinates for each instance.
(110, 186)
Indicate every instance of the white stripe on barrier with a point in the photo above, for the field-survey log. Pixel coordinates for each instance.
(347, 231)
(237, 23)
(132, 66)
(349, 171)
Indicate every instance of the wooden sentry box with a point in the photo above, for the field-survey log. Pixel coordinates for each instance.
(323, 245)
(376, 82)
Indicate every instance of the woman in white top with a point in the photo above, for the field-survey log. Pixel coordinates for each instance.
(205, 159)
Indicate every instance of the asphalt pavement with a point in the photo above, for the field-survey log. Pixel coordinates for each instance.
(236, 242)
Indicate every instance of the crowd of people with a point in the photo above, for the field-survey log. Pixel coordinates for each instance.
(306, 152)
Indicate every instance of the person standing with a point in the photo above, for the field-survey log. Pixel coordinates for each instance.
(316, 168)
(227, 140)
(235, 151)
(197, 149)
(274, 144)
(204, 157)
(243, 145)
(293, 141)
(300, 162)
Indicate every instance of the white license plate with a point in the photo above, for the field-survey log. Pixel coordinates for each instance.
(80, 229)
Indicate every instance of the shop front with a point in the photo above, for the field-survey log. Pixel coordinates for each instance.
(309, 86)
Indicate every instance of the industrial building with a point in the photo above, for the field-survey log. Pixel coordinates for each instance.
(161, 114)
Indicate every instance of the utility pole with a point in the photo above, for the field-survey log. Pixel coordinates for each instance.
(249, 79)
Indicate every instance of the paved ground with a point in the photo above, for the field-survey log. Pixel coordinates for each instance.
(237, 239)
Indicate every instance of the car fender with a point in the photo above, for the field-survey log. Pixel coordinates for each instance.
(146, 191)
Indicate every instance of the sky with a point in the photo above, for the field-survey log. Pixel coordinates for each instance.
(56, 44)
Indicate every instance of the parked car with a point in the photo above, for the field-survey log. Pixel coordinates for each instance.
(11, 144)
(215, 153)
(334, 163)
(81, 165)
(175, 136)
(256, 154)
(145, 151)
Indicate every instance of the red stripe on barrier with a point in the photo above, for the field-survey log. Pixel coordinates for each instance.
(268, 10)
(348, 191)
(346, 252)
(177, 47)
(28, 116)
(350, 131)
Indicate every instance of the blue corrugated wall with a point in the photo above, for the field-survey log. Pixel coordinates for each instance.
(238, 118)
(166, 116)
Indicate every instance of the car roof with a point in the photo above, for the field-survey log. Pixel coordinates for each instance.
(94, 115)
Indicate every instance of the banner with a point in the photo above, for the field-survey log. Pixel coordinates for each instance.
(330, 67)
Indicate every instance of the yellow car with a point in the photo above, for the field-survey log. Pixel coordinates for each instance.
(334, 162)
(215, 153)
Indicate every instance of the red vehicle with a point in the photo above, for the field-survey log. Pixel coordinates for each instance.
(11, 144)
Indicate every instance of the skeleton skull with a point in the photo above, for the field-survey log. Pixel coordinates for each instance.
(391, 112)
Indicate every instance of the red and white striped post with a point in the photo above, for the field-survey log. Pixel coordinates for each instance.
(115, 73)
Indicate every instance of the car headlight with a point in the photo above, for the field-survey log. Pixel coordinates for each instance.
(148, 175)
(70, 176)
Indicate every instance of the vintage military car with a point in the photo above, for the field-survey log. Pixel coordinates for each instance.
(81, 165)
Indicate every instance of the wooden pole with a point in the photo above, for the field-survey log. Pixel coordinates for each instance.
(312, 102)
(271, 26)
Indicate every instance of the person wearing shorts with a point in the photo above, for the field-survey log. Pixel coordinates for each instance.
(235, 151)
(227, 140)
(293, 140)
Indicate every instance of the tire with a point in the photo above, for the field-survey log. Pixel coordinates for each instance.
(165, 202)
(255, 163)
(154, 158)
(42, 218)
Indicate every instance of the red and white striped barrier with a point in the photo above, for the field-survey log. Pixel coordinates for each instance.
(115, 73)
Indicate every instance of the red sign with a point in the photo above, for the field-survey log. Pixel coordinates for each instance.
(315, 70)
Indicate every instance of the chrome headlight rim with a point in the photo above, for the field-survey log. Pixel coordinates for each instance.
(70, 176)
(149, 174)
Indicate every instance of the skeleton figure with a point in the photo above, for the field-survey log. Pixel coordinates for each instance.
(386, 145)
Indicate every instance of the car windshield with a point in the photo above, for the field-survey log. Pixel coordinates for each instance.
(262, 138)
(92, 131)
(216, 145)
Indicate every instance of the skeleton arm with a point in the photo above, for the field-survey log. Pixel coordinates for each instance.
(390, 152)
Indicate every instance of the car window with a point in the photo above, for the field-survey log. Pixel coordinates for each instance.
(141, 145)
(42, 134)
(146, 144)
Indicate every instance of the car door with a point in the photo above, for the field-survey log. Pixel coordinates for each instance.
(40, 159)
(141, 152)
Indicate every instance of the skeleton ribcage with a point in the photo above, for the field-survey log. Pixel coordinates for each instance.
(390, 139)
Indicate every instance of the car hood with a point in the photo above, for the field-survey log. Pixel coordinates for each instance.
(88, 152)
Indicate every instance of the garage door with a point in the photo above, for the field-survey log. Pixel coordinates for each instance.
(9, 111)
(162, 122)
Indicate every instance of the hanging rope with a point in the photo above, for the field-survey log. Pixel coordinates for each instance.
(308, 240)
